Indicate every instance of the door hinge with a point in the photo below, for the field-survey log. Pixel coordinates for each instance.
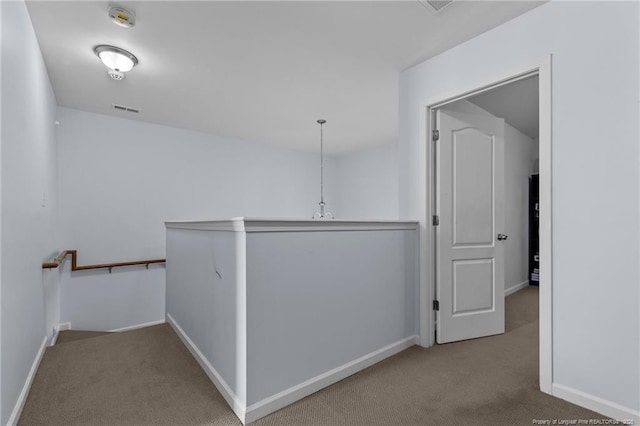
(436, 220)
(436, 305)
(435, 135)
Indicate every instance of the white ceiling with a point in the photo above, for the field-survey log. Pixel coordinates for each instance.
(261, 71)
(516, 102)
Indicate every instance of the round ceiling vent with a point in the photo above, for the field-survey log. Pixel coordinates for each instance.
(122, 17)
(116, 75)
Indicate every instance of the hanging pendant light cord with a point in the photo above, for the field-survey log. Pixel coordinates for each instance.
(322, 214)
(321, 162)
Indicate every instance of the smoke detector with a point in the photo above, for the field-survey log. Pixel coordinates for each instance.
(122, 17)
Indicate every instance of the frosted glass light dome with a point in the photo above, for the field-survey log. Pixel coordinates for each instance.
(115, 58)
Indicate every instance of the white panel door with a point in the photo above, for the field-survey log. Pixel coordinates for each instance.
(469, 248)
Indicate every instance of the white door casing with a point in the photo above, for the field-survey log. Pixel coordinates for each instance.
(480, 83)
(470, 205)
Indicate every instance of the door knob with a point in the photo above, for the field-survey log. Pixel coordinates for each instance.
(502, 237)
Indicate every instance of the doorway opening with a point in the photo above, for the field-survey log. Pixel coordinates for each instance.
(467, 255)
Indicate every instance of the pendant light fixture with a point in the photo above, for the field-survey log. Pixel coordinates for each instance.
(321, 215)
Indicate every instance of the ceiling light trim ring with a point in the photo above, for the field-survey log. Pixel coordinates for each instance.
(113, 49)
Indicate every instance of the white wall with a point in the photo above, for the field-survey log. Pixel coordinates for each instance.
(351, 293)
(99, 300)
(261, 307)
(520, 152)
(121, 179)
(211, 308)
(595, 175)
(368, 183)
(28, 200)
(1, 398)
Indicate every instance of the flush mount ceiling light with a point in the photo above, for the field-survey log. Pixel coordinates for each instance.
(116, 59)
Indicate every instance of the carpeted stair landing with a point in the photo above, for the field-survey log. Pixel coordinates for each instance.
(147, 377)
(139, 377)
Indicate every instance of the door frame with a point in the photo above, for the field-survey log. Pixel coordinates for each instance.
(541, 68)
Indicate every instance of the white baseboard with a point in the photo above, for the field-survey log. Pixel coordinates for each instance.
(22, 398)
(56, 331)
(295, 393)
(594, 403)
(54, 338)
(516, 288)
(238, 407)
(137, 326)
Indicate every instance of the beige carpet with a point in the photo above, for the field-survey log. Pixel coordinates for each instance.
(67, 336)
(147, 377)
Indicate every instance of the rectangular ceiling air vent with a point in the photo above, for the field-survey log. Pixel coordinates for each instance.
(436, 6)
(125, 108)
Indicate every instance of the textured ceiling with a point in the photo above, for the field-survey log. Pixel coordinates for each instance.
(261, 71)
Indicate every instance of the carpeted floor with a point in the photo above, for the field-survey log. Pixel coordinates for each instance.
(147, 377)
(67, 336)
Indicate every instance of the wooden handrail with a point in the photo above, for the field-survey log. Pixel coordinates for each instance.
(75, 267)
